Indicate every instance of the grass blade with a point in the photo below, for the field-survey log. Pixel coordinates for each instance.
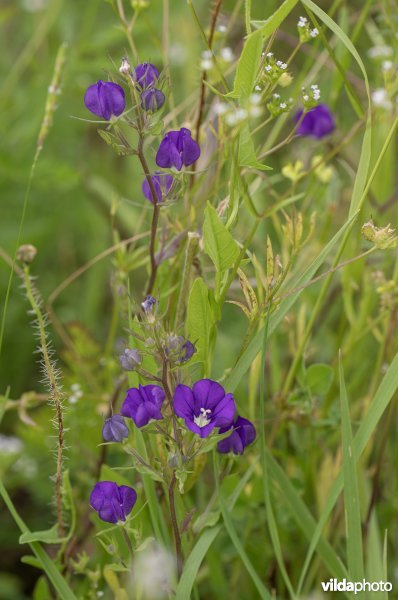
(351, 492)
(47, 563)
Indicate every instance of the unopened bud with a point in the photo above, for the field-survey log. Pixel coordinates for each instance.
(130, 359)
(26, 253)
(125, 67)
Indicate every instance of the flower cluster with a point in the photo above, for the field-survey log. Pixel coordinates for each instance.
(276, 106)
(273, 69)
(312, 96)
(304, 30)
(146, 76)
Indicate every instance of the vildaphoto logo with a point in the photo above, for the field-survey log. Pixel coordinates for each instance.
(334, 585)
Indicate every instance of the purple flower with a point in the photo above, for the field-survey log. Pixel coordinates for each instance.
(146, 75)
(130, 359)
(204, 407)
(143, 404)
(317, 123)
(112, 502)
(148, 304)
(177, 149)
(243, 433)
(105, 99)
(152, 99)
(115, 429)
(188, 349)
(162, 184)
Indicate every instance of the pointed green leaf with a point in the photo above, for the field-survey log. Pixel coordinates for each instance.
(219, 243)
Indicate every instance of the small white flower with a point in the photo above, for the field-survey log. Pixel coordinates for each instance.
(380, 99)
(378, 51)
(221, 108)
(241, 114)
(9, 444)
(302, 22)
(270, 54)
(283, 105)
(306, 97)
(255, 99)
(231, 119)
(206, 64)
(257, 88)
(227, 54)
(387, 65)
(314, 32)
(255, 111)
(268, 68)
(222, 28)
(207, 54)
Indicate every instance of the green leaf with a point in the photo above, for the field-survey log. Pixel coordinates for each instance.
(319, 378)
(47, 564)
(229, 526)
(248, 64)
(202, 545)
(48, 536)
(247, 155)
(247, 358)
(219, 243)
(383, 396)
(351, 493)
(200, 320)
(113, 140)
(268, 26)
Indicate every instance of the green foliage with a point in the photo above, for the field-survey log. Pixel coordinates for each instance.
(292, 260)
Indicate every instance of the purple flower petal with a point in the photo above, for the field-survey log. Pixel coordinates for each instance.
(152, 99)
(143, 404)
(115, 429)
(162, 184)
(318, 122)
(105, 99)
(183, 401)
(146, 75)
(243, 433)
(204, 407)
(177, 149)
(113, 503)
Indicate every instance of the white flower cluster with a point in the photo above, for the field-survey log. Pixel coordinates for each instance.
(207, 60)
(233, 116)
(312, 96)
(305, 31)
(380, 99)
(273, 69)
(276, 106)
(76, 393)
(226, 54)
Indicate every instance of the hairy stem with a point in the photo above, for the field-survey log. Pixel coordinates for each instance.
(55, 390)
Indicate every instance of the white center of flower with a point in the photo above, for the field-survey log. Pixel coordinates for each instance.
(202, 420)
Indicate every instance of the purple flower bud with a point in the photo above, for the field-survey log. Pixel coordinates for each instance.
(115, 429)
(143, 404)
(162, 184)
(105, 99)
(243, 433)
(130, 360)
(177, 149)
(112, 502)
(148, 304)
(146, 75)
(152, 99)
(204, 407)
(188, 349)
(318, 122)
